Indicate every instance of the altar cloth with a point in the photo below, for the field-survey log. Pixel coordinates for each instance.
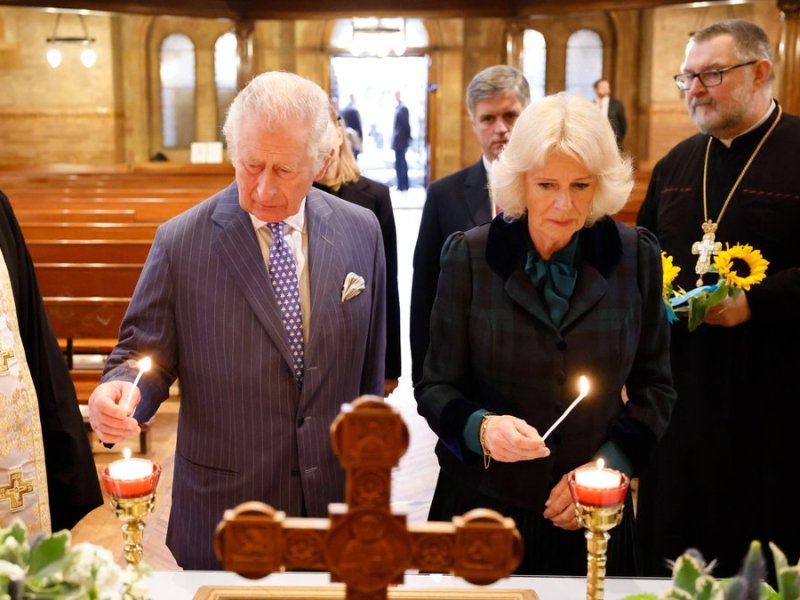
(183, 585)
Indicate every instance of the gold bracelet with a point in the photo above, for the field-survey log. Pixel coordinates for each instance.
(487, 456)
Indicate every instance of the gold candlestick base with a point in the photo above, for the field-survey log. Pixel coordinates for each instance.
(132, 500)
(597, 520)
(131, 511)
(599, 509)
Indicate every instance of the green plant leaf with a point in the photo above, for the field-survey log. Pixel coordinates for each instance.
(48, 551)
(686, 571)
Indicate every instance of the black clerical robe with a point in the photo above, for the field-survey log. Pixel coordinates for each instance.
(72, 482)
(720, 476)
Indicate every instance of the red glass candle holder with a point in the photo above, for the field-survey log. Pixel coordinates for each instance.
(130, 488)
(592, 496)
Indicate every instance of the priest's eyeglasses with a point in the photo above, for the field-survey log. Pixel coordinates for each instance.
(710, 78)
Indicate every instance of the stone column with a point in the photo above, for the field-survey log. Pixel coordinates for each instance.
(244, 49)
(790, 55)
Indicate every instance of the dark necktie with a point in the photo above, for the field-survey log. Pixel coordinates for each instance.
(283, 274)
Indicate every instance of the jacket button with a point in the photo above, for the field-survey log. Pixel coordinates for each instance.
(561, 345)
(561, 378)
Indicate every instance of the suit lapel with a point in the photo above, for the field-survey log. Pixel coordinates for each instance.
(476, 194)
(324, 263)
(520, 289)
(246, 265)
(589, 290)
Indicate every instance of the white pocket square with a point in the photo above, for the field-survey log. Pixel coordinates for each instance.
(353, 286)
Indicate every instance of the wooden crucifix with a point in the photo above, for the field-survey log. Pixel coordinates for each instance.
(363, 543)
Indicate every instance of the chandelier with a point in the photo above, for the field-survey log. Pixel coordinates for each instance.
(54, 54)
(380, 37)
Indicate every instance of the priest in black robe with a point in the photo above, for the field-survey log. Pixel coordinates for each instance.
(72, 488)
(722, 472)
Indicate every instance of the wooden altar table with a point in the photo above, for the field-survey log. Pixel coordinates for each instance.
(183, 585)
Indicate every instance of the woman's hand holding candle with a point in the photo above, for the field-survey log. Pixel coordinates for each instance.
(510, 439)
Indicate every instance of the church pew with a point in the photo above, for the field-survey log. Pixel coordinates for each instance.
(87, 251)
(146, 210)
(87, 279)
(39, 230)
(93, 322)
(76, 215)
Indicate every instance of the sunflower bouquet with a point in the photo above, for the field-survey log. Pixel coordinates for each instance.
(739, 267)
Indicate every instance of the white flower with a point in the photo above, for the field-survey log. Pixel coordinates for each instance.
(10, 570)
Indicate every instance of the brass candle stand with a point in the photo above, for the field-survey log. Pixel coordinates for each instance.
(599, 511)
(132, 500)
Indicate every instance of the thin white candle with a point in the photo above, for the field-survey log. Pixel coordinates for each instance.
(144, 365)
(583, 387)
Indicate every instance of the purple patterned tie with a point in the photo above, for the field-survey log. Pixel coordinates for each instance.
(283, 273)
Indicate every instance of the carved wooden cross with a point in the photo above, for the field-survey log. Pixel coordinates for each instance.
(363, 543)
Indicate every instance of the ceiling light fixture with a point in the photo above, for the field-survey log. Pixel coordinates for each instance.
(54, 54)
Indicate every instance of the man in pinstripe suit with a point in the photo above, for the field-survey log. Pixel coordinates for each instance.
(254, 421)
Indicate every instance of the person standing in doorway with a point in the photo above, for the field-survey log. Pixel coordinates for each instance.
(401, 138)
(353, 128)
(460, 201)
(612, 109)
(718, 479)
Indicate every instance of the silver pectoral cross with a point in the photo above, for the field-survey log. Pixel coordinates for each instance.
(705, 249)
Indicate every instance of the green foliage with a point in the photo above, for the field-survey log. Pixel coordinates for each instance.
(49, 569)
(692, 580)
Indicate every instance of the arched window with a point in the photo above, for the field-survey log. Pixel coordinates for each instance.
(177, 91)
(534, 61)
(225, 68)
(584, 62)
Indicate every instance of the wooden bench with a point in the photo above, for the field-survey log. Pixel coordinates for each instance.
(76, 215)
(87, 251)
(78, 319)
(39, 230)
(88, 279)
(146, 210)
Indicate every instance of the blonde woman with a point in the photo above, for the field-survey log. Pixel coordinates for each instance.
(342, 178)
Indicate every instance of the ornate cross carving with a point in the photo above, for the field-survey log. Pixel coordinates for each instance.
(363, 543)
(705, 249)
(14, 491)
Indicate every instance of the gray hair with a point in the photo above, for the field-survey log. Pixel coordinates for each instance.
(749, 40)
(496, 80)
(572, 126)
(279, 97)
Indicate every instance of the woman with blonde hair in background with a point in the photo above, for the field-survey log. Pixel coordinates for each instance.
(343, 178)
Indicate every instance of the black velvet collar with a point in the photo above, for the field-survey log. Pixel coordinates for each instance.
(507, 245)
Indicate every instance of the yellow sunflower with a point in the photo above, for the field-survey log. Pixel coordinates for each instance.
(741, 265)
(670, 271)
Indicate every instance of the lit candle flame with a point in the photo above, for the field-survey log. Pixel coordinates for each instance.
(126, 453)
(601, 464)
(583, 387)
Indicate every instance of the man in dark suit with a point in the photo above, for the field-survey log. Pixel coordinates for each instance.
(267, 302)
(401, 138)
(612, 108)
(460, 201)
(352, 121)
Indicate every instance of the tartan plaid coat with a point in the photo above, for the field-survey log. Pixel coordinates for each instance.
(493, 346)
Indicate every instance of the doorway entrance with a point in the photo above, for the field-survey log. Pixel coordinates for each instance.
(370, 83)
